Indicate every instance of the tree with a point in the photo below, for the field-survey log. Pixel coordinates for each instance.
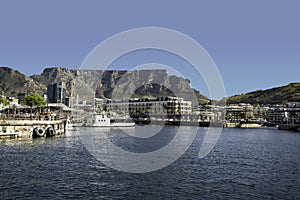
(34, 100)
(4, 101)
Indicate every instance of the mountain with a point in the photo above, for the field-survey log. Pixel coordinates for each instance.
(277, 95)
(120, 84)
(13, 82)
(116, 84)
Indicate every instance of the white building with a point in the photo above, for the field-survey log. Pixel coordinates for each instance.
(160, 105)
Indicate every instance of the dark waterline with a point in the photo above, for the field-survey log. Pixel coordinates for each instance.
(245, 164)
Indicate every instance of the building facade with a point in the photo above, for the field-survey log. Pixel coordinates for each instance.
(160, 105)
(56, 93)
(276, 115)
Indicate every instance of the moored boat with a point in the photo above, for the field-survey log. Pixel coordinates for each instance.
(102, 120)
(250, 124)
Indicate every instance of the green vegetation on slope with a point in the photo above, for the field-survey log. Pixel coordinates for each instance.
(278, 95)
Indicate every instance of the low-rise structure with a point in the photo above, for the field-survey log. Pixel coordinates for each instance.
(160, 105)
(276, 114)
(236, 112)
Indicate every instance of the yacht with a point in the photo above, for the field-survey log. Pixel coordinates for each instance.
(102, 120)
(250, 124)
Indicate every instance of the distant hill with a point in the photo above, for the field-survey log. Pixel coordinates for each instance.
(278, 95)
(146, 83)
(13, 82)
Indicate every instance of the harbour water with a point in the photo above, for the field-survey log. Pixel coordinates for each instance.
(244, 164)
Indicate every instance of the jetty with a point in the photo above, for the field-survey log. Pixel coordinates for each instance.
(31, 128)
(289, 127)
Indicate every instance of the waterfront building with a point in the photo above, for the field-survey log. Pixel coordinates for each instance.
(210, 112)
(259, 112)
(276, 115)
(56, 93)
(160, 105)
(283, 114)
(236, 112)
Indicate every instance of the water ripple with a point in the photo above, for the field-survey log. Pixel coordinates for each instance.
(245, 164)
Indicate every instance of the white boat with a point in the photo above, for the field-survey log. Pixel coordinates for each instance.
(102, 120)
(71, 126)
(250, 124)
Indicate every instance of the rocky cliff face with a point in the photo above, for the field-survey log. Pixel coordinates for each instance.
(13, 82)
(116, 84)
(119, 84)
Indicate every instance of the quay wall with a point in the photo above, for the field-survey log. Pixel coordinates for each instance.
(24, 128)
(289, 127)
(230, 125)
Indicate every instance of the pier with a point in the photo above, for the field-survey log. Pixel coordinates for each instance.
(31, 128)
(289, 127)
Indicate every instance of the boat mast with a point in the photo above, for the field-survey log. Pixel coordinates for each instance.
(94, 102)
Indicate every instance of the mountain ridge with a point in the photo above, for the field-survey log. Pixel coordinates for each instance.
(104, 82)
(136, 83)
(13, 82)
(275, 95)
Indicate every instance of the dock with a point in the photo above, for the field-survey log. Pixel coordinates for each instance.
(289, 127)
(31, 128)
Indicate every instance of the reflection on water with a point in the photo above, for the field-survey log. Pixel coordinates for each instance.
(119, 150)
(245, 164)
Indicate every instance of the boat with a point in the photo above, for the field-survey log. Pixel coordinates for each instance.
(102, 120)
(250, 124)
(71, 126)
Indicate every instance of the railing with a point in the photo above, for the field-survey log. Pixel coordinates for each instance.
(36, 118)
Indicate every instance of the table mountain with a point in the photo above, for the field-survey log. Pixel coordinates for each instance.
(120, 84)
(106, 83)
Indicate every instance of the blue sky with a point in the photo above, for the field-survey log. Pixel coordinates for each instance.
(255, 44)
